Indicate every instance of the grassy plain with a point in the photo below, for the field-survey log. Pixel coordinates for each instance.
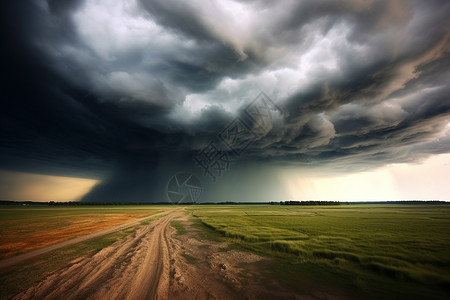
(365, 251)
(25, 228)
(388, 251)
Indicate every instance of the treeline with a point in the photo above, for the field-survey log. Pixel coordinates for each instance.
(305, 203)
(408, 202)
(78, 203)
(289, 202)
(418, 202)
(232, 203)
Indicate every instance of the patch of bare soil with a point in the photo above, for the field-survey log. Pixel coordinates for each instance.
(203, 269)
(135, 267)
(42, 237)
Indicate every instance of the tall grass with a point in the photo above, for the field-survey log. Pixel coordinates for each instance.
(404, 243)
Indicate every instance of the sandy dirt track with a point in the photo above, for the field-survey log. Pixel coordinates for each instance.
(132, 268)
(23, 257)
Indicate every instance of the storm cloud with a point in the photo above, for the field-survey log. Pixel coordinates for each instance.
(130, 91)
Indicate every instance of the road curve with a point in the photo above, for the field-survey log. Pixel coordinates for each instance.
(131, 268)
(23, 257)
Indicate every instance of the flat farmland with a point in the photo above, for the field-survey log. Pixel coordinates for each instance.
(390, 251)
(229, 252)
(26, 228)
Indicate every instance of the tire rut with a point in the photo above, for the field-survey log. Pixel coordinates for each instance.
(131, 268)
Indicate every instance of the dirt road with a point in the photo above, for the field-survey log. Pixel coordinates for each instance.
(135, 267)
(23, 257)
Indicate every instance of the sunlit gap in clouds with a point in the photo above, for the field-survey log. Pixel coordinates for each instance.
(18, 186)
(392, 182)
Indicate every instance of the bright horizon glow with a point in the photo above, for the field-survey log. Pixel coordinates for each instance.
(18, 186)
(426, 181)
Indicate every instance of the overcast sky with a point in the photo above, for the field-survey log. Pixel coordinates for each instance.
(127, 93)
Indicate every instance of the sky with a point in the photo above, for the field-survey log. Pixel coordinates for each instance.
(261, 100)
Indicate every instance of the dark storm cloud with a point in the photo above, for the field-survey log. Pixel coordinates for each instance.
(129, 91)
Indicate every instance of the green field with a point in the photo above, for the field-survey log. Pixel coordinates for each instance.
(357, 251)
(385, 251)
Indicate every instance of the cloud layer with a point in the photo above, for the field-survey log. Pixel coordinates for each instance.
(92, 88)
